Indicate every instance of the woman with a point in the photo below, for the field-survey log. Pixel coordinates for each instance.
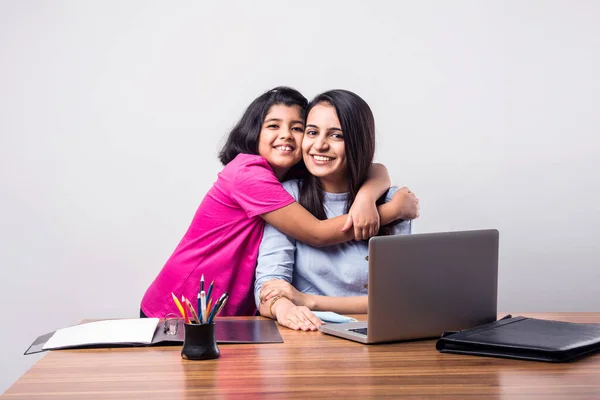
(293, 278)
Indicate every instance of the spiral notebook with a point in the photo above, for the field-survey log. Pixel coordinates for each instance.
(150, 332)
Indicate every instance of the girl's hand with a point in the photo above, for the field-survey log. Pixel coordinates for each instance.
(406, 203)
(298, 318)
(276, 287)
(365, 218)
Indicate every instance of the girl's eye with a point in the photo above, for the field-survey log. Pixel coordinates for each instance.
(273, 126)
(337, 136)
(298, 129)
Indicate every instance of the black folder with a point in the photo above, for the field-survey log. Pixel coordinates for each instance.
(226, 331)
(525, 339)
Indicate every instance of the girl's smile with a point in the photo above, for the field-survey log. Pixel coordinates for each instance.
(280, 138)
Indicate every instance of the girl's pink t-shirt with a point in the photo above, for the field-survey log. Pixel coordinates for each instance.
(222, 241)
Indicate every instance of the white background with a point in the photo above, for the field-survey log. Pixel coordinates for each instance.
(112, 114)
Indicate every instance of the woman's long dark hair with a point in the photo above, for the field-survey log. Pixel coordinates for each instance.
(358, 127)
(243, 139)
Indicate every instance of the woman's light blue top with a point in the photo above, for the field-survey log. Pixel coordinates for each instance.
(339, 270)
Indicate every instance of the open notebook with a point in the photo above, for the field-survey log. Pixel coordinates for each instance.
(149, 332)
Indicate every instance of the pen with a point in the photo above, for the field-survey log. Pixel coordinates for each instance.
(210, 288)
(203, 304)
(218, 307)
(202, 320)
(212, 313)
(221, 299)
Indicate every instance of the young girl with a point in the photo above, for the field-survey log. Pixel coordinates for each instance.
(222, 240)
(338, 148)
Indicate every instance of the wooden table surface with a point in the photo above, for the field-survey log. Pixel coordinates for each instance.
(307, 365)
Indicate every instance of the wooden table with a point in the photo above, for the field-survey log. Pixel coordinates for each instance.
(307, 365)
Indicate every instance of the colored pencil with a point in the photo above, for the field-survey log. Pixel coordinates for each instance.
(192, 311)
(178, 304)
(185, 317)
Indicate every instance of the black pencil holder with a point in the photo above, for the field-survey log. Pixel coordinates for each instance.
(199, 342)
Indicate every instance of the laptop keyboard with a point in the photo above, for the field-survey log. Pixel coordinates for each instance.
(362, 331)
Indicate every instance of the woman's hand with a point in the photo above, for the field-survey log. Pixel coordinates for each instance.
(297, 318)
(406, 203)
(365, 218)
(276, 287)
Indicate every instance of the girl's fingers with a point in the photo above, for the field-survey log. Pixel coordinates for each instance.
(263, 294)
(348, 224)
(269, 295)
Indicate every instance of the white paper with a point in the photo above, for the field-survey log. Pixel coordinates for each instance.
(139, 330)
(330, 316)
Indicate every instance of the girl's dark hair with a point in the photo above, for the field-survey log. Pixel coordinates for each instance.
(244, 136)
(358, 126)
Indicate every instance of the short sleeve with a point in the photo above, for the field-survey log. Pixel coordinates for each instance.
(403, 227)
(257, 190)
(293, 188)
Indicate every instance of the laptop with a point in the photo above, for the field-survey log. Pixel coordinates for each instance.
(424, 284)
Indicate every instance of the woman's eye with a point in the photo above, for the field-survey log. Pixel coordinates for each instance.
(310, 133)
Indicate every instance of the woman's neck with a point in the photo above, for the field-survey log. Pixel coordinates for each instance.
(334, 185)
